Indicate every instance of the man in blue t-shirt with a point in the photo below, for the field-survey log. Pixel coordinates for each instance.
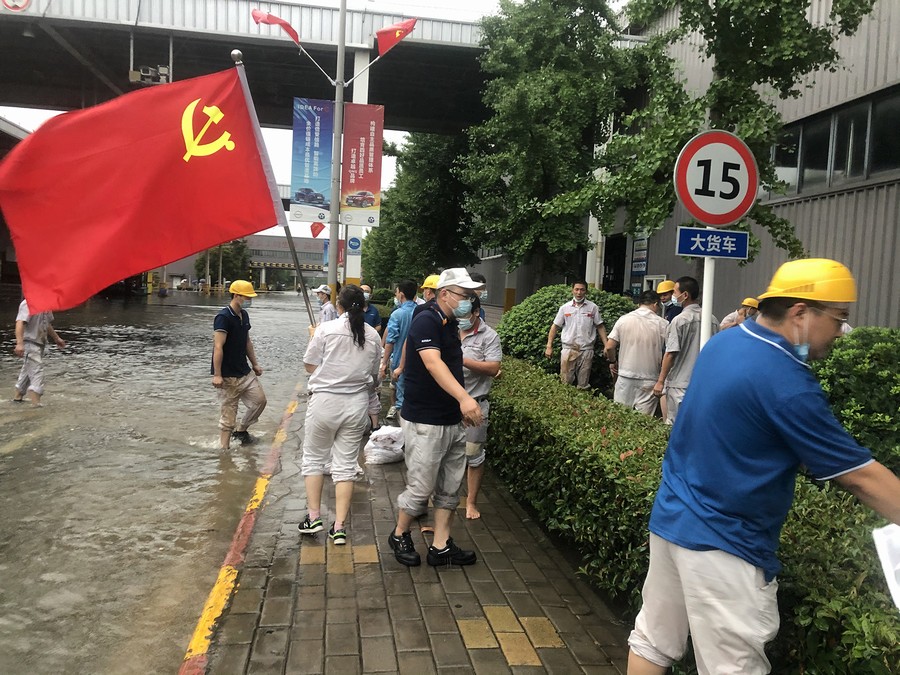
(729, 471)
(236, 380)
(435, 407)
(397, 328)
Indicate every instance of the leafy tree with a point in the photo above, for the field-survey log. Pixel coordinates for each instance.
(759, 49)
(555, 79)
(235, 261)
(423, 225)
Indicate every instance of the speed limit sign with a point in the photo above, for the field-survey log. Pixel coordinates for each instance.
(716, 178)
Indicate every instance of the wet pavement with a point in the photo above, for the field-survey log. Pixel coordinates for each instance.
(117, 505)
(304, 605)
(118, 511)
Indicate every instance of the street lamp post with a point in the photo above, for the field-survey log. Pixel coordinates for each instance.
(334, 213)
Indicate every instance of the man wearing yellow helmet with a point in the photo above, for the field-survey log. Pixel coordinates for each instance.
(748, 309)
(236, 380)
(729, 473)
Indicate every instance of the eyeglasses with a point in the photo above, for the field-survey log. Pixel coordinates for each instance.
(464, 296)
(840, 320)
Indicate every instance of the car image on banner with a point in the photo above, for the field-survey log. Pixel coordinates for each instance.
(361, 199)
(311, 159)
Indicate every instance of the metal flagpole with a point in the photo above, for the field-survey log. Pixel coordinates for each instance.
(335, 210)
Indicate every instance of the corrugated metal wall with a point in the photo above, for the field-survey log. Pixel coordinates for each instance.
(859, 227)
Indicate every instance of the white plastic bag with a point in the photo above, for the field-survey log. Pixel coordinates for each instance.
(887, 542)
(385, 446)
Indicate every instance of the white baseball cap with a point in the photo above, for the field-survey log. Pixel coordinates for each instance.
(324, 288)
(457, 276)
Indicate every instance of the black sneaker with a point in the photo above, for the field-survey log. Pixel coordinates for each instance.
(243, 436)
(451, 554)
(311, 526)
(404, 550)
(339, 537)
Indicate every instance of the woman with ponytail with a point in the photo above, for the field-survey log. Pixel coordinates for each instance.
(342, 359)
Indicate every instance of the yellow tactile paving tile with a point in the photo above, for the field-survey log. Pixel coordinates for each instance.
(476, 634)
(503, 619)
(365, 554)
(541, 632)
(339, 559)
(518, 650)
(312, 555)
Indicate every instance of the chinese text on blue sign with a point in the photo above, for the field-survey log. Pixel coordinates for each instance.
(709, 243)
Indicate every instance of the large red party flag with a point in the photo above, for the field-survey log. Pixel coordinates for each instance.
(389, 36)
(97, 195)
(272, 20)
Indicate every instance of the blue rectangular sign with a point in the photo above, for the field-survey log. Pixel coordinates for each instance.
(703, 242)
(311, 159)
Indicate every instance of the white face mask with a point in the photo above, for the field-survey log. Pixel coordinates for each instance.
(366, 296)
(801, 347)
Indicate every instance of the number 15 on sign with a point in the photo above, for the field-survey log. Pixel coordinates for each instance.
(716, 178)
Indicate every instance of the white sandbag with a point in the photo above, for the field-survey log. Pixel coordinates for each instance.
(385, 446)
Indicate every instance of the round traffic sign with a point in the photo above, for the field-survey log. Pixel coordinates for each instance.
(16, 5)
(354, 243)
(716, 178)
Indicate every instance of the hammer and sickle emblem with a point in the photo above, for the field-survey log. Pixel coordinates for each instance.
(192, 143)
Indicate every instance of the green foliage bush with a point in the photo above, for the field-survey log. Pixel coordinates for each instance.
(590, 469)
(523, 329)
(862, 380)
(381, 296)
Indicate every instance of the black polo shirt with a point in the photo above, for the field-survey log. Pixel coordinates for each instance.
(423, 399)
(234, 353)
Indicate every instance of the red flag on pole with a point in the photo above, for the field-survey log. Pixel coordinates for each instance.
(389, 36)
(264, 17)
(100, 194)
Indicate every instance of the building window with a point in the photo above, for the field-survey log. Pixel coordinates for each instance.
(850, 136)
(886, 135)
(787, 158)
(814, 154)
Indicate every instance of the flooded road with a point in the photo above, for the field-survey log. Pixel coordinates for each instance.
(117, 507)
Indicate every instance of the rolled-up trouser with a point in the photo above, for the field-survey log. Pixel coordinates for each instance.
(333, 430)
(575, 366)
(246, 390)
(476, 437)
(674, 397)
(722, 601)
(636, 394)
(435, 466)
(31, 376)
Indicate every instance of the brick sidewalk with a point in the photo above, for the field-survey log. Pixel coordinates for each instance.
(304, 605)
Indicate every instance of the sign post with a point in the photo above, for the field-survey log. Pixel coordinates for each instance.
(717, 180)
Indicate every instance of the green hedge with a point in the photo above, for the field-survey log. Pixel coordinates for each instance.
(862, 380)
(523, 329)
(590, 469)
(381, 296)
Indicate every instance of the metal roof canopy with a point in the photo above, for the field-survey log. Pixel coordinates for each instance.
(429, 82)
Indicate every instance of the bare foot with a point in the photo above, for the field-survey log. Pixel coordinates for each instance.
(472, 512)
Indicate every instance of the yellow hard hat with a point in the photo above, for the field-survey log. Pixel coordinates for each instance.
(431, 281)
(665, 286)
(241, 287)
(816, 279)
(751, 302)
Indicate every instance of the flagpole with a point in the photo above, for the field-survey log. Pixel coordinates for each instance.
(335, 210)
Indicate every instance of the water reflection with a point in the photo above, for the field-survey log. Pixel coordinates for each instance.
(117, 506)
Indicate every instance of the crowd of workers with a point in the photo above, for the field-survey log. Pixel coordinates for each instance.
(747, 413)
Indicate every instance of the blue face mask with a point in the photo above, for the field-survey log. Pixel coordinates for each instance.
(483, 296)
(802, 351)
(464, 308)
(466, 324)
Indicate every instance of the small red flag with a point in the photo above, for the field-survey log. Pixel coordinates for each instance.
(389, 36)
(317, 229)
(264, 17)
(97, 195)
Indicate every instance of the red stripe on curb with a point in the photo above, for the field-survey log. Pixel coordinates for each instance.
(238, 550)
(196, 665)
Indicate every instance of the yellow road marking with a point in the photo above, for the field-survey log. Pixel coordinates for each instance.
(215, 605)
(259, 491)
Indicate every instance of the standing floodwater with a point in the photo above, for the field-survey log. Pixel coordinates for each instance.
(117, 507)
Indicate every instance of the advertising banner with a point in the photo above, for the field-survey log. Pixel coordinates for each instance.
(311, 159)
(361, 165)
